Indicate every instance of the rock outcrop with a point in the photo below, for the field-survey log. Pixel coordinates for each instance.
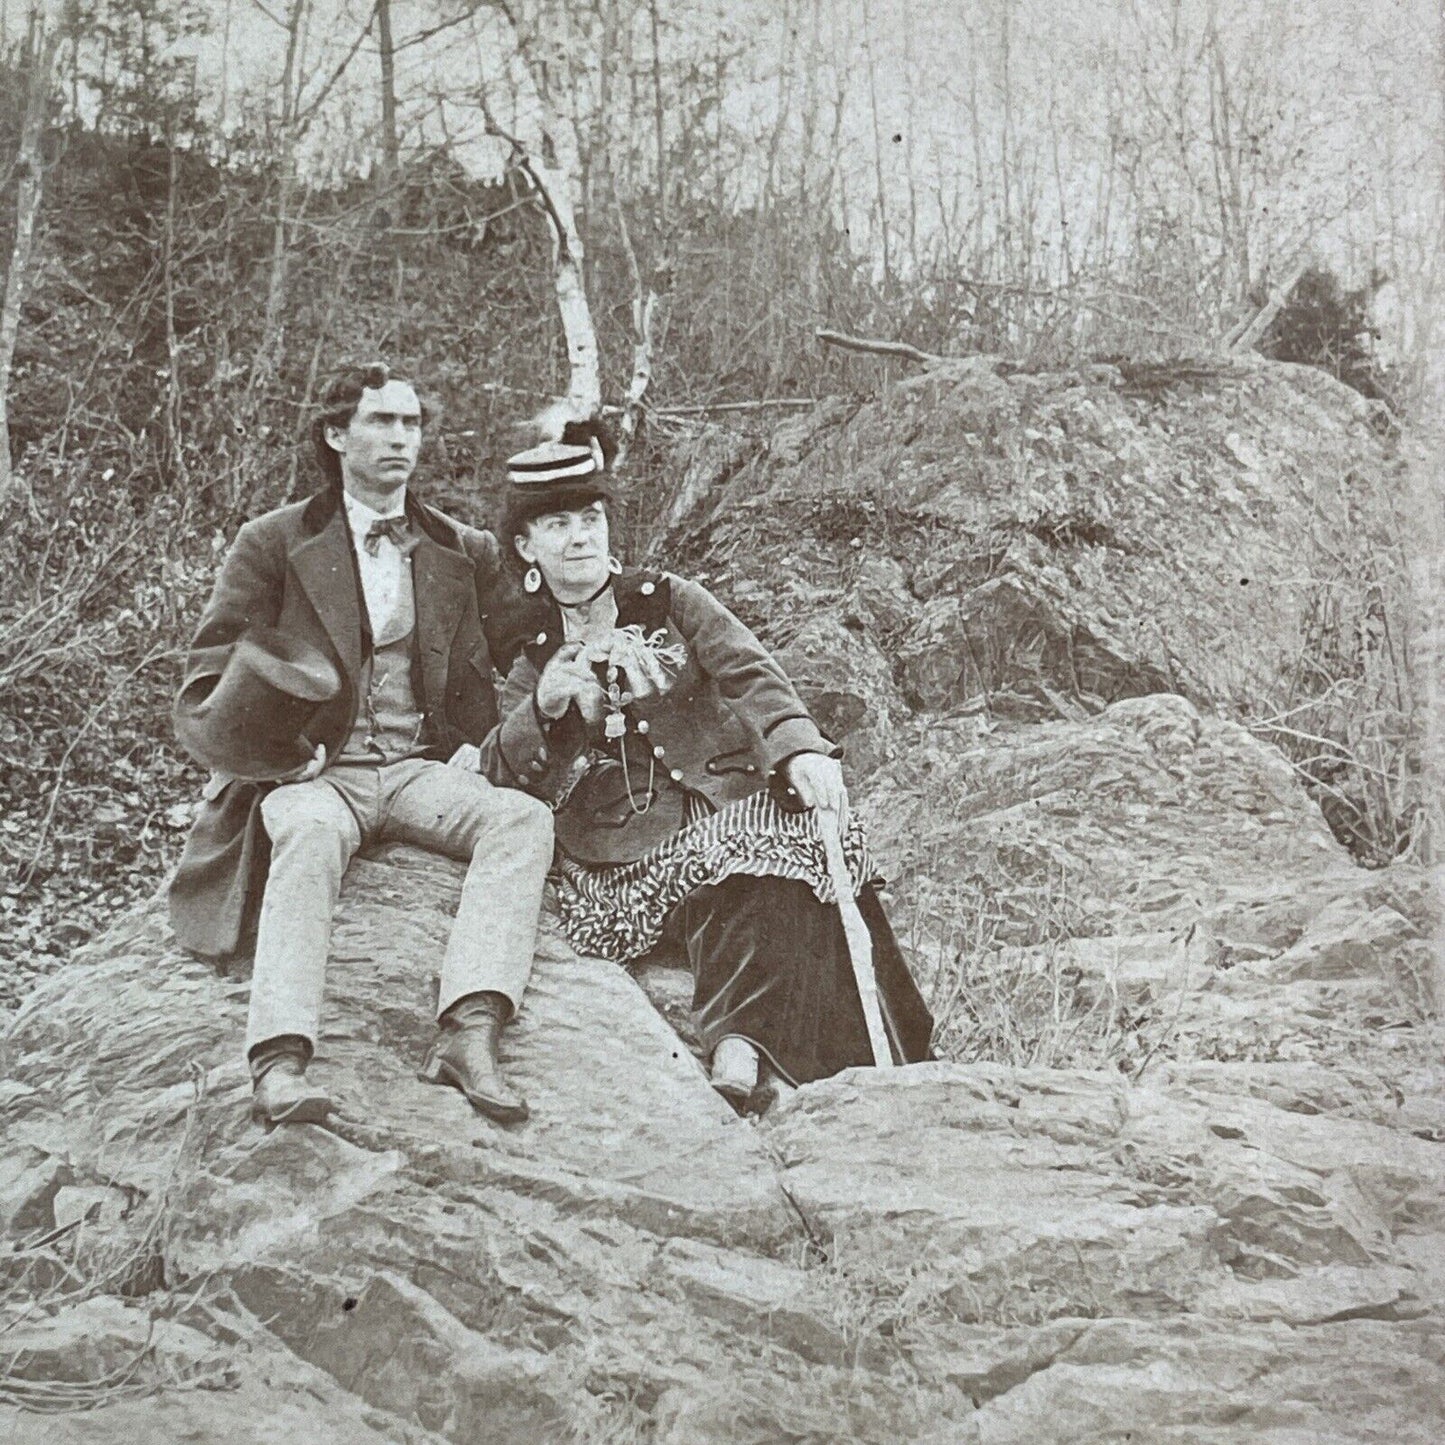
(1231, 1230)
(1025, 547)
(1177, 1176)
(1043, 545)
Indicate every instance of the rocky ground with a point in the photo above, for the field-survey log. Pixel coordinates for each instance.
(1231, 1229)
(1179, 1174)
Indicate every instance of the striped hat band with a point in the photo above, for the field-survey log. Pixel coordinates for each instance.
(551, 462)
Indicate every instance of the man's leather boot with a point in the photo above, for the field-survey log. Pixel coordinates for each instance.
(282, 1095)
(465, 1056)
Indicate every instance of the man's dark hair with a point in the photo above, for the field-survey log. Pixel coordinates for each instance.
(338, 405)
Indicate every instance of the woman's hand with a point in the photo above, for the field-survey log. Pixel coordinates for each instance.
(468, 758)
(817, 779)
(643, 675)
(568, 678)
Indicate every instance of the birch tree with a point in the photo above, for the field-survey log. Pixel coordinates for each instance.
(42, 40)
(547, 153)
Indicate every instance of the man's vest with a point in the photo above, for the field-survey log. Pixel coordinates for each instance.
(389, 722)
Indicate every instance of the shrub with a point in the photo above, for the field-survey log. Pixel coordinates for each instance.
(1327, 324)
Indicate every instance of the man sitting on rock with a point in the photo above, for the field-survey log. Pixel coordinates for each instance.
(339, 688)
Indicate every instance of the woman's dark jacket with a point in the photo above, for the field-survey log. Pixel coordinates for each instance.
(730, 721)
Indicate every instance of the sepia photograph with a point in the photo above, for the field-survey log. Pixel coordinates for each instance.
(722, 722)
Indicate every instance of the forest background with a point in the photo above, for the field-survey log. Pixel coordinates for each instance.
(205, 206)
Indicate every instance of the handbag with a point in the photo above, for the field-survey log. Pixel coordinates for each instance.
(621, 807)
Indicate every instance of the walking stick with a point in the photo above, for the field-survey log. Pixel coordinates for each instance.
(855, 930)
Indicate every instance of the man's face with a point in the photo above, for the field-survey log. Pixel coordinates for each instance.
(378, 447)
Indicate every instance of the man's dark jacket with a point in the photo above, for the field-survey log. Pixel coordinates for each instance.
(294, 569)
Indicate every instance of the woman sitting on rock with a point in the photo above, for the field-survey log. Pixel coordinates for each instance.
(690, 784)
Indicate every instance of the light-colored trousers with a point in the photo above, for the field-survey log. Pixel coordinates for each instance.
(316, 827)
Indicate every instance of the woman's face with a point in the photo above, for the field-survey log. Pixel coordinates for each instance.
(570, 549)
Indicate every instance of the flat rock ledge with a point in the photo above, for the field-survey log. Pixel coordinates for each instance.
(1206, 1251)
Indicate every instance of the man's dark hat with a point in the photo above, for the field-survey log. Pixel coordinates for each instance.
(251, 724)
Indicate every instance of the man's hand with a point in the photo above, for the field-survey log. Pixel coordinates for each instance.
(568, 678)
(818, 781)
(468, 758)
(310, 770)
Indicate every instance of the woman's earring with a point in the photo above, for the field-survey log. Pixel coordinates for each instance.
(532, 582)
(614, 566)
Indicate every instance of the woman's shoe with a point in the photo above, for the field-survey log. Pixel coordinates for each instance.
(735, 1070)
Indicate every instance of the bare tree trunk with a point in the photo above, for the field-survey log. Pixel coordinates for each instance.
(595, 161)
(584, 391)
(975, 130)
(276, 285)
(878, 150)
(658, 119)
(649, 309)
(784, 110)
(390, 140)
(651, 296)
(40, 46)
(1234, 223)
(266, 358)
(808, 115)
(552, 165)
(175, 454)
(1006, 138)
(910, 140)
(1066, 237)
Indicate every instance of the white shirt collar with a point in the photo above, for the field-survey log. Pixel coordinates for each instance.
(360, 516)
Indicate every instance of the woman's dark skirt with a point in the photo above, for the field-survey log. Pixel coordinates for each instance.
(748, 889)
(770, 964)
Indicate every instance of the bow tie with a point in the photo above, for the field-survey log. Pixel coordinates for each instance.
(398, 529)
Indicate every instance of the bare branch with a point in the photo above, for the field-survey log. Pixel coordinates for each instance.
(879, 348)
(305, 114)
(270, 14)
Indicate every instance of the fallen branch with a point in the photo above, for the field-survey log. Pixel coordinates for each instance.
(1154, 328)
(877, 347)
(800, 403)
(1247, 338)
